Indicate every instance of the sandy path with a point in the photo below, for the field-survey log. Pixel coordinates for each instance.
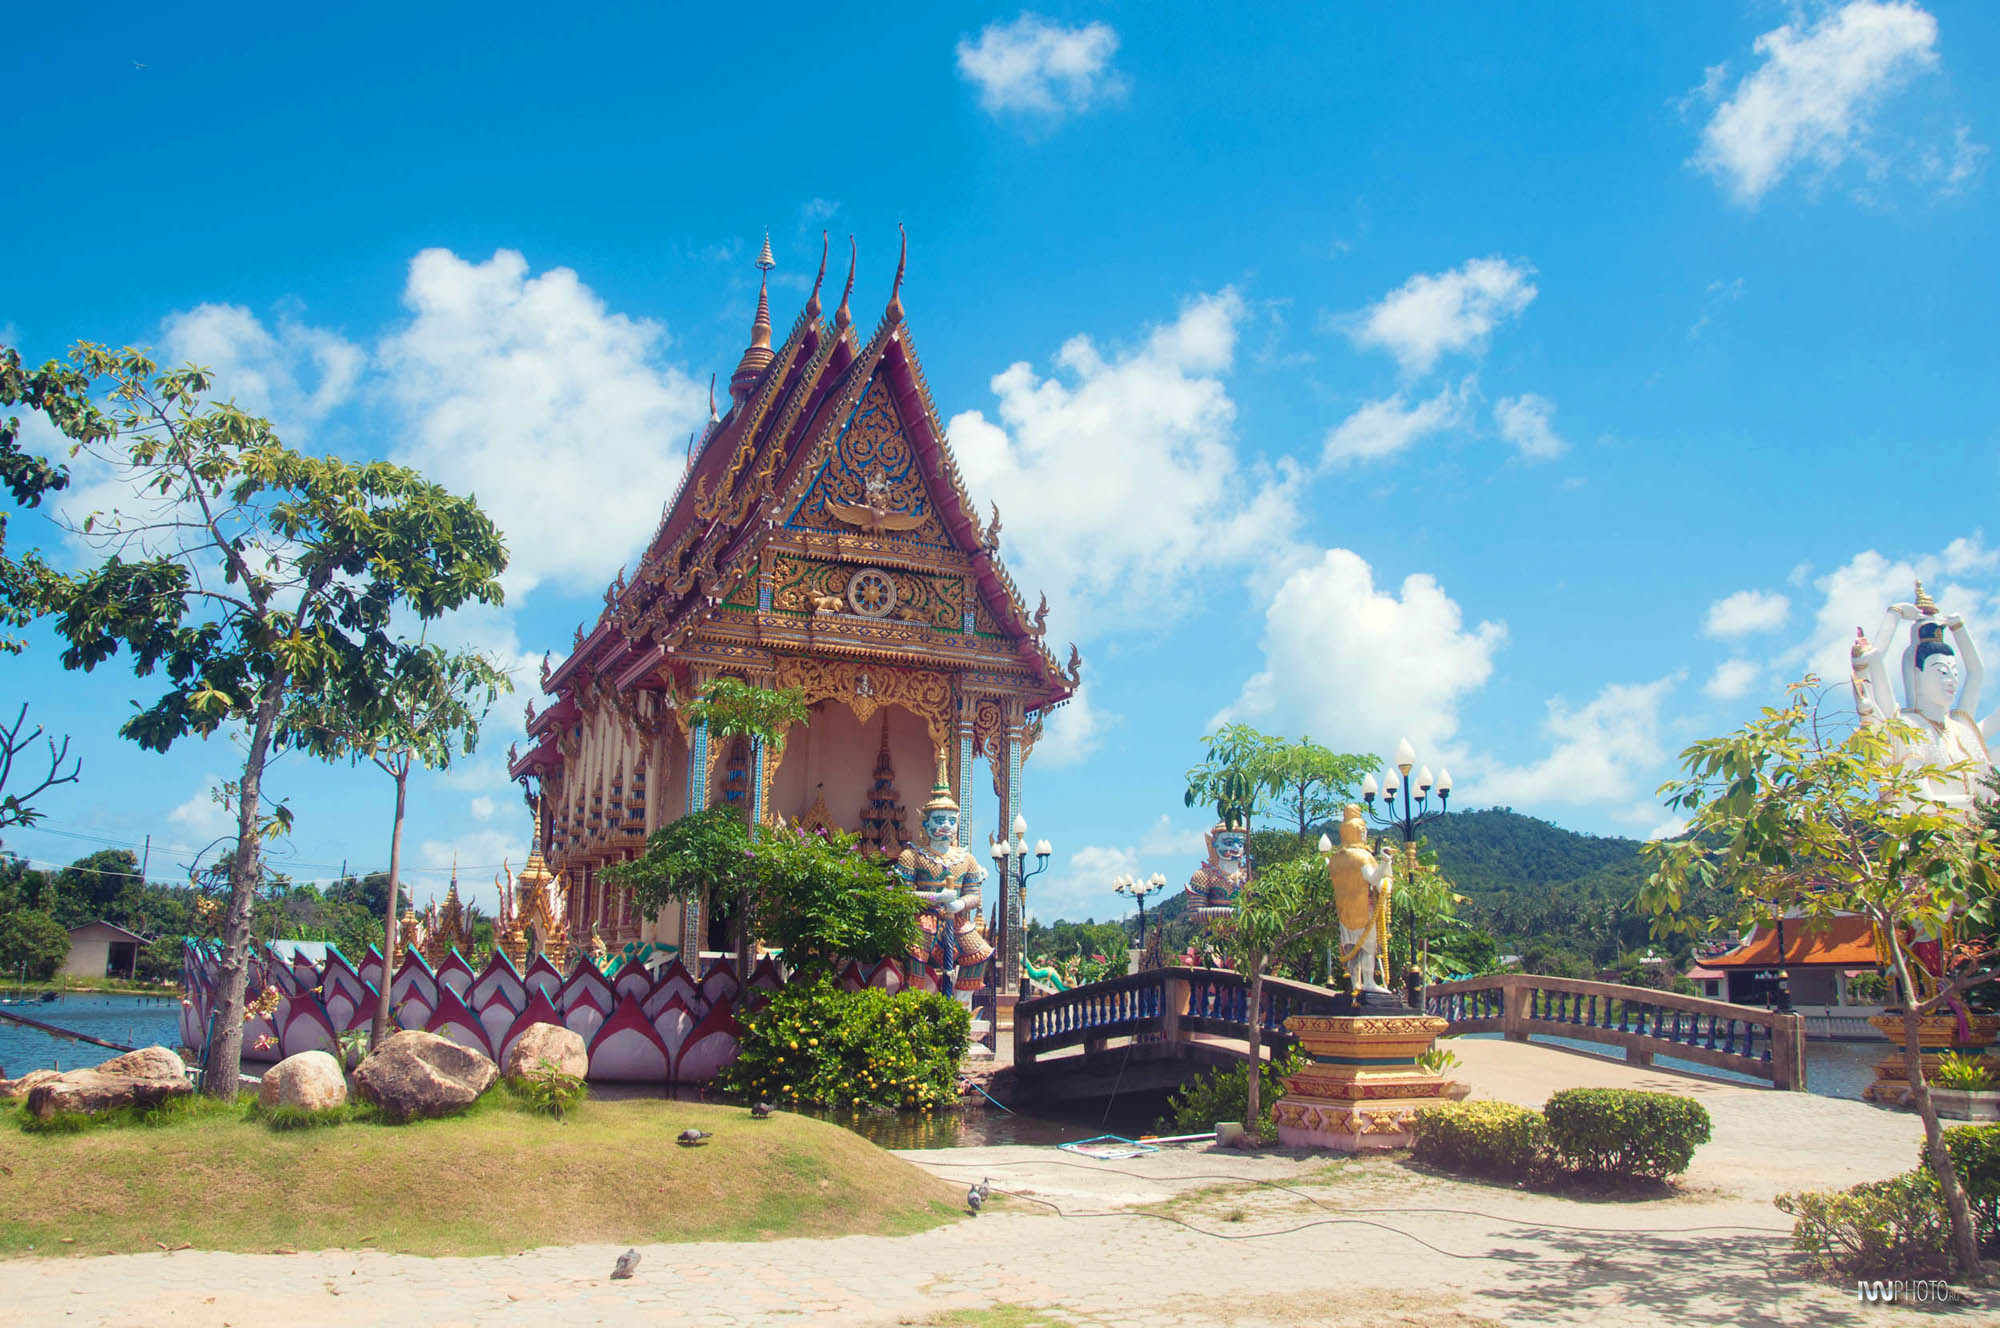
(1363, 1255)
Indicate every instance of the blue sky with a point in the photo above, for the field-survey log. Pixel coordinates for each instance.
(1547, 384)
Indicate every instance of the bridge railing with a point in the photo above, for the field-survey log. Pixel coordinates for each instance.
(1765, 1044)
(1167, 1003)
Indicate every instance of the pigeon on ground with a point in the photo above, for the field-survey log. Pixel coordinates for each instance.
(761, 1110)
(985, 1187)
(628, 1263)
(974, 1200)
(690, 1138)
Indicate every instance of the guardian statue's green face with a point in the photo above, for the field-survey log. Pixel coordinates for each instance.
(1229, 849)
(941, 826)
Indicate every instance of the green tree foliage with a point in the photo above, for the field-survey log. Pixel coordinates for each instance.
(1223, 1094)
(427, 713)
(63, 394)
(32, 945)
(703, 856)
(733, 708)
(91, 885)
(247, 573)
(1284, 909)
(815, 1043)
(1244, 773)
(1790, 813)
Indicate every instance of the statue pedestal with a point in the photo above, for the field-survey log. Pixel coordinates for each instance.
(1363, 1084)
(1937, 1035)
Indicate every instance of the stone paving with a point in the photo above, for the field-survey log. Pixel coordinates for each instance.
(1186, 1236)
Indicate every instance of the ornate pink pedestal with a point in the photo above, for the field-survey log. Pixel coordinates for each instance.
(1364, 1083)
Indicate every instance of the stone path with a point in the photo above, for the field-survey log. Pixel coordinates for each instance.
(1186, 1236)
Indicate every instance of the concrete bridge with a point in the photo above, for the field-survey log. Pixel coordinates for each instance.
(1152, 1030)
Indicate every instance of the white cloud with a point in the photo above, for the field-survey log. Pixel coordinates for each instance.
(1597, 754)
(1952, 171)
(1036, 64)
(1524, 422)
(295, 375)
(1733, 678)
(481, 808)
(1165, 839)
(478, 854)
(203, 816)
(1063, 457)
(1713, 298)
(1081, 887)
(1388, 426)
(1809, 101)
(1326, 635)
(1856, 593)
(1745, 612)
(1669, 828)
(1072, 733)
(557, 414)
(1433, 313)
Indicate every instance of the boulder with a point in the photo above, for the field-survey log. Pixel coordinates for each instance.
(415, 1074)
(309, 1081)
(547, 1042)
(25, 1084)
(142, 1078)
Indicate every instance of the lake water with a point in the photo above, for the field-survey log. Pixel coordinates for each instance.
(136, 1021)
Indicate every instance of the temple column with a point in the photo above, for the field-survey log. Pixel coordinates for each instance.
(697, 800)
(756, 781)
(1009, 975)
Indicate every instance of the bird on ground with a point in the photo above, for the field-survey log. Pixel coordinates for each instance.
(690, 1138)
(974, 1200)
(985, 1187)
(628, 1263)
(761, 1111)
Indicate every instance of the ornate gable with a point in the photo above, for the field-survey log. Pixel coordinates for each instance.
(871, 481)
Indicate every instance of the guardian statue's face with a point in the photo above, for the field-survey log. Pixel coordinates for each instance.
(941, 826)
(1937, 683)
(1229, 846)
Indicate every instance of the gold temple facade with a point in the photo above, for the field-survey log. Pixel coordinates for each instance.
(822, 539)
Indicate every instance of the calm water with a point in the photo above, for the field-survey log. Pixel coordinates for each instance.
(136, 1021)
(1833, 1069)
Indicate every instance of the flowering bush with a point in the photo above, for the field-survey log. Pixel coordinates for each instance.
(1486, 1138)
(1880, 1228)
(819, 1044)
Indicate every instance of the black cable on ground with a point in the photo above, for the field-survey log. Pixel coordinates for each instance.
(1278, 1185)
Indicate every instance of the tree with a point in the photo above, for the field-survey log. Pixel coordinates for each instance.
(89, 887)
(1230, 777)
(17, 808)
(64, 395)
(1787, 814)
(1308, 783)
(732, 708)
(426, 713)
(32, 944)
(1283, 908)
(247, 571)
(701, 857)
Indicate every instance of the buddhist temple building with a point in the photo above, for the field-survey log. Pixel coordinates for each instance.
(822, 539)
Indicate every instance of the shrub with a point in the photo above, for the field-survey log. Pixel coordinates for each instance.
(1891, 1228)
(1955, 1069)
(32, 944)
(1622, 1132)
(1975, 1156)
(816, 1043)
(1485, 1138)
(546, 1089)
(1224, 1095)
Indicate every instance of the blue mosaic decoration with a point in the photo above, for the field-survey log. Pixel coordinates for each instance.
(965, 788)
(871, 444)
(757, 781)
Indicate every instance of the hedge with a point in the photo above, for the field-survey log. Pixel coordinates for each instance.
(1484, 1138)
(1623, 1132)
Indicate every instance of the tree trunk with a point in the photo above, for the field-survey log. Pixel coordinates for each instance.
(378, 1029)
(1252, 1112)
(224, 1061)
(1964, 1239)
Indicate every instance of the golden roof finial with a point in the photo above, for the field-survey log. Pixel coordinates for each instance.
(764, 259)
(1925, 604)
(712, 416)
(758, 355)
(843, 317)
(812, 301)
(895, 310)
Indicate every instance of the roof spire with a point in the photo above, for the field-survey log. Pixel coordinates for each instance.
(758, 356)
(712, 416)
(894, 313)
(843, 317)
(812, 301)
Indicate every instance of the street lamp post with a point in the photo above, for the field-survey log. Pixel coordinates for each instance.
(1139, 889)
(1014, 903)
(1407, 816)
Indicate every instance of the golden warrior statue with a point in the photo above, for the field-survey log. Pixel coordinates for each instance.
(1362, 883)
(946, 877)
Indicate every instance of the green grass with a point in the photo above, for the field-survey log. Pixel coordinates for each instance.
(493, 1180)
(996, 1316)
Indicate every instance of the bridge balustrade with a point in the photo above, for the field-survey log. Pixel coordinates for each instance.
(1168, 1005)
(1765, 1044)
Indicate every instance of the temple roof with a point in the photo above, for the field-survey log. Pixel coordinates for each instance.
(1844, 940)
(831, 445)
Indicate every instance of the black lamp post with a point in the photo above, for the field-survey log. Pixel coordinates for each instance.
(1014, 904)
(1139, 889)
(1407, 816)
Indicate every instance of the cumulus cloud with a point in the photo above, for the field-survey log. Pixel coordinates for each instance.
(1388, 426)
(1808, 101)
(1037, 64)
(560, 416)
(1328, 621)
(1434, 313)
(1856, 593)
(1745, 612)
(1119, 483)
(1524, 422)
(1081, 886)
(1596, 754)
(293, 374)
(204, 816)
(1733, 678)
(1072, 733)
